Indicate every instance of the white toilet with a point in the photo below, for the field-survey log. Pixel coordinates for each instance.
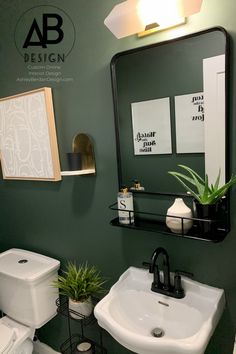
(27, 298)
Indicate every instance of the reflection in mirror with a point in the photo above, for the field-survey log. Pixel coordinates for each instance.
(169, 101)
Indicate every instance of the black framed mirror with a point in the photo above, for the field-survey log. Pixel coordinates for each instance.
(166, 79)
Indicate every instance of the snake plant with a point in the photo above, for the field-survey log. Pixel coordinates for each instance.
(203, 193)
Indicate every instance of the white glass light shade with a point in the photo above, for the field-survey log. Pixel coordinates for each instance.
(161, 12)
(189, 7)
(132, 16)
(123, 20)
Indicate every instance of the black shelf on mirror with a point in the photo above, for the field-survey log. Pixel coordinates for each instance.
(159, 227)
(155, 222)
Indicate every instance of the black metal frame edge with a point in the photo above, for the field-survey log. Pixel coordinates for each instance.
(227, 100)
(153, 45)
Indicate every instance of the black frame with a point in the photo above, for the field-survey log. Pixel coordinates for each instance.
(154, 226)
(116, 106)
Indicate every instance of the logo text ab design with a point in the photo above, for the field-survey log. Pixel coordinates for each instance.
(44, 34)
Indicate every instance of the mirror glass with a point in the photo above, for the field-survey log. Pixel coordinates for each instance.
(169, 103)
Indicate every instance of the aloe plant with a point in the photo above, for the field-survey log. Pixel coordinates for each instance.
(79, 283)
(203, 193)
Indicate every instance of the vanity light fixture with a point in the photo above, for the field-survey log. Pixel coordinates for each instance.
(141, 16)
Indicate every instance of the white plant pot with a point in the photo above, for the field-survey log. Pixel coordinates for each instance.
(84, 309)
(180, 209)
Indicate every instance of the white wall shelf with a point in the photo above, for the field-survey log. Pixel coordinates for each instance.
(90, 171)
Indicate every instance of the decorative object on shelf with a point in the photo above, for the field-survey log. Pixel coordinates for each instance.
(125, 206)
(179, 219)
(209, 214)
(28, 138)
(79, 284)
(74, 161)
(82, 144)
(84, 347)
(207, 198)
(137, 186)
(205, 193)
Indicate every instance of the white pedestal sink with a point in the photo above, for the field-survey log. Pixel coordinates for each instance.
(131, 311)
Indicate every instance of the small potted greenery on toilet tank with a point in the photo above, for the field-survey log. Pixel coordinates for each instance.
(79, 284)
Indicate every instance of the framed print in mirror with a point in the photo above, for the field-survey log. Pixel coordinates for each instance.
(28, 141)
(151, 127)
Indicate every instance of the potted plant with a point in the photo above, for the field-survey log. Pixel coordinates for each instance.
(207, 198)
(79, 284)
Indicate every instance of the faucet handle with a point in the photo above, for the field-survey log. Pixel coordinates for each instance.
(184, 273)
(178, 289)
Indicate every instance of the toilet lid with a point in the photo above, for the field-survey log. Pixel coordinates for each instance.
(7, 336)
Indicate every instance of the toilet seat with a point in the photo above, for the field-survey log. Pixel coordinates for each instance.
(12, 335)
(7, 338)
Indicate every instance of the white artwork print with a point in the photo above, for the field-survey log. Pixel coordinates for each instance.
(189, 120)
(24, 137)
(151, 127)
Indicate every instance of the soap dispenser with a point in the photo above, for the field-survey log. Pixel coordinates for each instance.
(125, 206)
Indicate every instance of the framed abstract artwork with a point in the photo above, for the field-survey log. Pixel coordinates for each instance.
(28, 140)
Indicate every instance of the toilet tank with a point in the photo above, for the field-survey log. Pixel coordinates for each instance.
(26, 292)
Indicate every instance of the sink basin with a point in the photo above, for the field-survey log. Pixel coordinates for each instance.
(150, 323)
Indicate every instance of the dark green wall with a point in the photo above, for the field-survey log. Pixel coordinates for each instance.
(70, 219)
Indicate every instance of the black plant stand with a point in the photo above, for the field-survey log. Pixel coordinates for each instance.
(69, 346)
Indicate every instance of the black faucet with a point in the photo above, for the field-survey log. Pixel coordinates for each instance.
(153, 268)
(164, 286)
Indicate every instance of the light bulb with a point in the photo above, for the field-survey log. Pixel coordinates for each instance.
(158, 11)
